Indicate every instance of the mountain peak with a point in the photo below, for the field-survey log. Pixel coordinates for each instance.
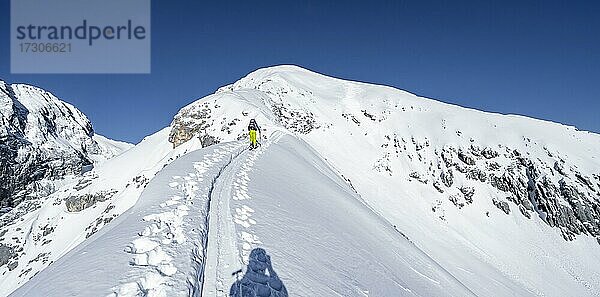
(287, 74)
(281, 69)
(347, 171)
(42, 138)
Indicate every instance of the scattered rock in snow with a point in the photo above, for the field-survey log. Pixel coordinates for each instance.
(447, 177)
(418, 177)
(81, 202)
(6, 253)
(502, 205)
(438, 186)
(465, 158)
(489, 153)
(468, 192)
(476, 174)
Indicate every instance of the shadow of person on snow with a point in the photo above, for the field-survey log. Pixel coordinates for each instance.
(256, 282)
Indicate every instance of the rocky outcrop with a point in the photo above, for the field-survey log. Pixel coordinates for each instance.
(502, 205)
(81, 202)
(193, 121)
(554, 191)
(570, 203)
(476, 174)
(512, 182)
(465, 158)
(447, 177)
(199, 120)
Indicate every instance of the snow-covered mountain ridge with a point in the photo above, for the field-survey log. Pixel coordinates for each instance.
(541, 168)
(357, 190)
(481, 180)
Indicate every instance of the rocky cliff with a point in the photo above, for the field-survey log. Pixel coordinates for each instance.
(42, 139)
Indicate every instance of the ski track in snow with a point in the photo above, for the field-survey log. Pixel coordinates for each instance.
(214, 251)
(167, 234)
(224, 253)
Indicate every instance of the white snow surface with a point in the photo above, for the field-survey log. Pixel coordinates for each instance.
(337, 243)
(119, 180)
(341, 195)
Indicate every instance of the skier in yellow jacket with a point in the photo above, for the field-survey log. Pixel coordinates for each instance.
(253, 129)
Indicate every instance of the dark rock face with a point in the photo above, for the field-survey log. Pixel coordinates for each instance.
(559, 167)
(489, 153)
(41, 138)
(12, 139)
(208, 140)
(585, 211)
(566, 205)
(476, 174)
(512, 183)
(12, 265)
(457, 201)
(524, 211)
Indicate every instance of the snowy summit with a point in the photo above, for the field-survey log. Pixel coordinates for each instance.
(354, 189)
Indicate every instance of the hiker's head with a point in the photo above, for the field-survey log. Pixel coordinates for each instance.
(257, 261)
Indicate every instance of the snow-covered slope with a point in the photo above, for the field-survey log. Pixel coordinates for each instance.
(320, 237)
(358, 190)
(45, 144)
(476, 190)
(397, 134)
(80, 208)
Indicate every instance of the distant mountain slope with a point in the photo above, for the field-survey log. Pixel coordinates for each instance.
(108, 148)
(45, 144)
(43, 139)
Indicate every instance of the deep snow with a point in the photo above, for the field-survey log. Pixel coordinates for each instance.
(322, 239)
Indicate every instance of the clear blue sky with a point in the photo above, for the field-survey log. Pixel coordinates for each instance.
(535, 58)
